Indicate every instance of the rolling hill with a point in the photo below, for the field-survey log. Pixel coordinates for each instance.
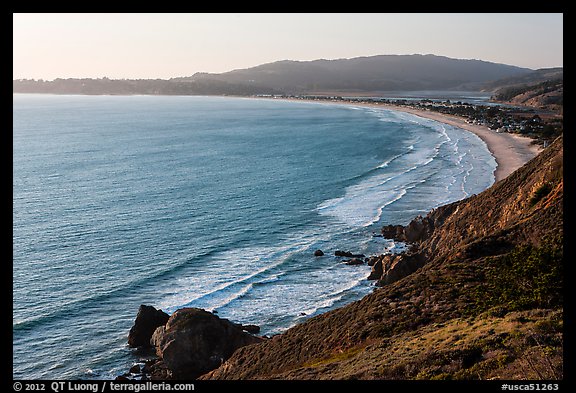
(355, 75)
(374, 73)
(543, 89)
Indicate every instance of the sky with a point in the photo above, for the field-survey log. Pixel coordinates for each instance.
(143, 46)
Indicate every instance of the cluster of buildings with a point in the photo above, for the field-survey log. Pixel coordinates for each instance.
(532, 122)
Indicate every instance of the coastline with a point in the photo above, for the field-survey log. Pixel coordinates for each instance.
(511, 151)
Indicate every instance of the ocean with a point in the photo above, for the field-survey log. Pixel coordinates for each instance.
(210, 202)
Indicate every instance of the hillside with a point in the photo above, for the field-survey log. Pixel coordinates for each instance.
(487, 304)
(542, 89)
(361, 74)
(105, 86)
(373, 73)
(530, 78)
(547, 95)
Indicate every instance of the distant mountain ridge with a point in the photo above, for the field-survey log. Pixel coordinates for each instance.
(373, 73)
(354, 75)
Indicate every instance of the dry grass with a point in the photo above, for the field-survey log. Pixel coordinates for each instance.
(519, 345)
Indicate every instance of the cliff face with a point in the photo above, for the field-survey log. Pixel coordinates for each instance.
(486, 303)
(520, 209)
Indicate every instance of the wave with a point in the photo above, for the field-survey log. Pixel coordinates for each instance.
(333, 297)
(391, 160)
(234, 296)
(78, 307)
(363, 203)
(243, 291)
(260, 266)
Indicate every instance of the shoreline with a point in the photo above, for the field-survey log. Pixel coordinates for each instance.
(511, 151)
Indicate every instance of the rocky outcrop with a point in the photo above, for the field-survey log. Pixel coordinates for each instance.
(394, 232)
(377, 267)
(347, 254)
(420, 228)
(354, 261)
(147, 320)
(398, 266)
(389, 268)
(195, 341)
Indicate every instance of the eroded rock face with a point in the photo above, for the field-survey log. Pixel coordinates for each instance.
(394, 232)
(399, 266)
(195, 341)
(147, 320)
(419, 229)
(377, 269)
(393, 267)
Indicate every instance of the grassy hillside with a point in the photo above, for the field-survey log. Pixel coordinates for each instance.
(545, 95)
(543, 89)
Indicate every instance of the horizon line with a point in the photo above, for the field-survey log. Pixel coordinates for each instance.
(277, 61)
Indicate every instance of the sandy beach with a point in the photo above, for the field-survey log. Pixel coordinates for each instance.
(511, 151)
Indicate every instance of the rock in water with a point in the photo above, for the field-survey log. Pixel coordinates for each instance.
(147, 320)
(348, 254)
(372, 260)
(354, 261)
(135, 369)
(195, 341)
(318, 253)
(340, 253)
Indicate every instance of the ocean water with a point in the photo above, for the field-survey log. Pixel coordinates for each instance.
(210, 202)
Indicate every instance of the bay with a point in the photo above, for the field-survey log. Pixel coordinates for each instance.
(211, 202)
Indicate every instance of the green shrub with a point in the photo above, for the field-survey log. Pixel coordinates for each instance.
(540, 193)
(527, 277)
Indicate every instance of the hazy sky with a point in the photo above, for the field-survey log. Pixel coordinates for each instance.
(49, 46)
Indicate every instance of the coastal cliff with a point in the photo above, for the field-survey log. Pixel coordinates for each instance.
(484, 299)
